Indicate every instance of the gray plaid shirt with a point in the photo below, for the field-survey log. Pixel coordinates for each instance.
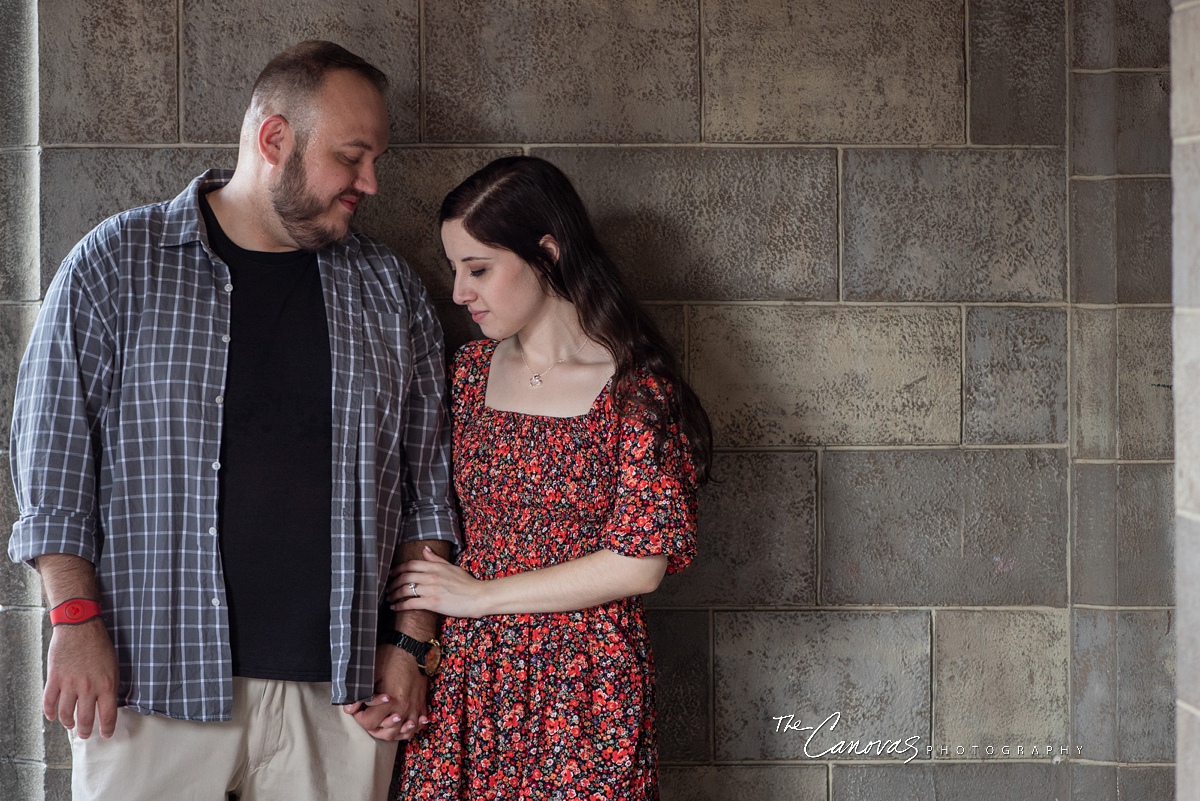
(117, 433)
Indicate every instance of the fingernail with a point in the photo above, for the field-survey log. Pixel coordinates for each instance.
(384, 699)
(396, 719)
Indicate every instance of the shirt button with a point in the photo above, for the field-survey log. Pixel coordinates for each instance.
(212, 530)
(216, 465)
(216, 601)
(225, 338)
(229, 287)
(220, 399)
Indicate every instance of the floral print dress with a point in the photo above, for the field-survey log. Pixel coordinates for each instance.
(551, 706)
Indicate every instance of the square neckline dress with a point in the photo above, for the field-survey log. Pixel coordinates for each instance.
(557, 705)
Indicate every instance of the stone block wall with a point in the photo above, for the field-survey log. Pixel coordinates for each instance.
(915, 256)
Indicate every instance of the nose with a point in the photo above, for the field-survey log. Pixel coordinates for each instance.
(366, 182)
(462, 294)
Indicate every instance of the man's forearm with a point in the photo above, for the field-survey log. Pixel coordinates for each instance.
(421, 625)
(67, 576)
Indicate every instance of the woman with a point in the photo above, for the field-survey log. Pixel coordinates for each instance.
(577, 451)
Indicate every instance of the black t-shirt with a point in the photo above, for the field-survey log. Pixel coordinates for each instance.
(276, 451)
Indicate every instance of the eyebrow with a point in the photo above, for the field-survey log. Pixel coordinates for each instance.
(363, 144)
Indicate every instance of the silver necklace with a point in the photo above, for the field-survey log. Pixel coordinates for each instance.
(535, 379)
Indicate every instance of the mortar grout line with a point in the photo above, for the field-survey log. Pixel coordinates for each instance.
(700, 66)
(967, 71)
(1069, 487)
(962, 377)
(841, 229)
(868, 448)
(819, 506)
(1121, 71)
(1123, 176)
(179, 70)
(712, 684)
(883, 609)
(421, 88)
(948, 147)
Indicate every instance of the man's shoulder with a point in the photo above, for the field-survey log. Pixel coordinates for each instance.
(381, 265)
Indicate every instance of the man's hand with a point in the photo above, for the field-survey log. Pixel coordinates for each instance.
(82, 679)
(401, 683)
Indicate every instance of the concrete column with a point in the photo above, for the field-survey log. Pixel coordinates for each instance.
(22, 752)
(1185, 129)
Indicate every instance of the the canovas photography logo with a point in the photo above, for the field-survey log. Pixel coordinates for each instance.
(822, 740)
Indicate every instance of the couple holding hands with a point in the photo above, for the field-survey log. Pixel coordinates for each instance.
(232, 456)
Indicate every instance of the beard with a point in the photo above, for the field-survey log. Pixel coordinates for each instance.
(300, 210)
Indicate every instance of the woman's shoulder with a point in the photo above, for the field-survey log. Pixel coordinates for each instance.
(473, 356)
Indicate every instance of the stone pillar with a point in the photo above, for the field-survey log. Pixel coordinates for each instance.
(22, 753)
(1185, 128)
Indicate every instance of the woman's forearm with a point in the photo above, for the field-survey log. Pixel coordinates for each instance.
(588, 581)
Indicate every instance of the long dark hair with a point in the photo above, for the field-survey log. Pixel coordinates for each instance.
(513, 203)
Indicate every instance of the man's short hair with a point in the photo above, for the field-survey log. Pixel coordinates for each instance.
(291, 78)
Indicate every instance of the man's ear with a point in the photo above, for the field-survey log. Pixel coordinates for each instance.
(549, 244)
(275, 139)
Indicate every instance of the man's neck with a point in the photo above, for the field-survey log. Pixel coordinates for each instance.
(243, 211)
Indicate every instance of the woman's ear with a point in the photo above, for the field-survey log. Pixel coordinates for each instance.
(549, 244)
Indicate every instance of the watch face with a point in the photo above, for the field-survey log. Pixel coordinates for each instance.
(74, 611)
(433, 659)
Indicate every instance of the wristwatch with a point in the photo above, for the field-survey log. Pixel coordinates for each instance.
(427, 654)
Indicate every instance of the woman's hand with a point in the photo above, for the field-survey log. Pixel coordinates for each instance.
(440, 587)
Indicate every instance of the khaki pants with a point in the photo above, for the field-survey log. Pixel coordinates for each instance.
(285, 743)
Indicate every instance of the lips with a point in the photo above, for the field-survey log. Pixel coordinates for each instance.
(350, 202)
(476, 315)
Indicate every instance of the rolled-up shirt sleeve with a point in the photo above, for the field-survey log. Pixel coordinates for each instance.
(429, 512)
(56, 446)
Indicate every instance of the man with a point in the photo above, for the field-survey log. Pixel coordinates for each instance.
(229, 424)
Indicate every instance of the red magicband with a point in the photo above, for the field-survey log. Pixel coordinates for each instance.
(74, 611)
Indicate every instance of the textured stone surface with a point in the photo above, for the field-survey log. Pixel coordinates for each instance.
(108, 71)
(954, 225)
(1094, 563)
(1095, 673)
(81, 188)
(737, 783)
(412, 184)
(1094, 377)
(1185, 245)
(1146, 527)
(933, 782)
(1121, 241)
(1001, 676)
(1145, 417)
(1185, 66)
(21, 670)
(873, 668)
(1187, 399)
(457, 327)
(672, 324)
(574, 71)
(1148, 784)
(57, 784)
(1093, 782)
(820, 71)
(1124, 522)
(713, 223)
(21, 780)
(1187, 736)
(758, 535)
(1016, 376)
(944, 527)
(16, 324)
(796, 375)
(1120, 124)
(19, 585)
(1120, 33)
(19, 274)
(1187, 605)
(1018, 85)
(222, 55)
(681, 653)
(19, 74)
(1146, 693)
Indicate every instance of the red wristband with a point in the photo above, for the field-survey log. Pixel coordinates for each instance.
(73, 611)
